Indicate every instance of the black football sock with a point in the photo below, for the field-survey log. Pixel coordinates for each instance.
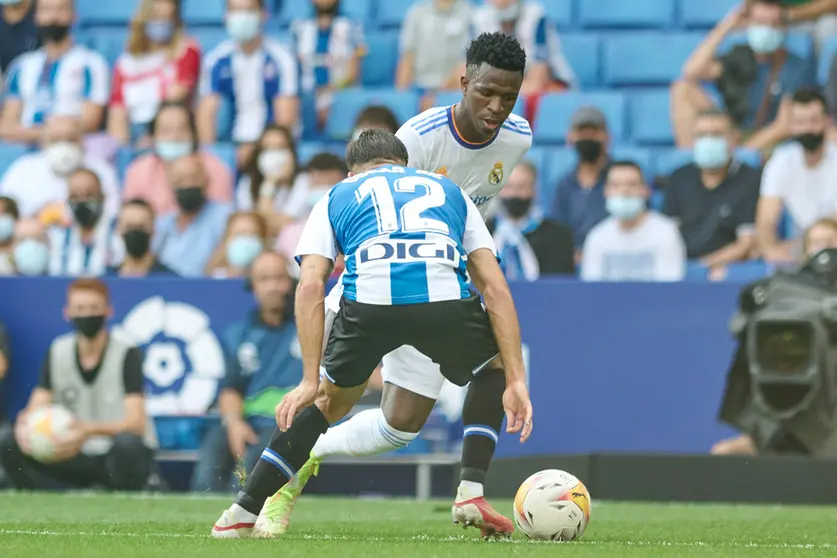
(282, 458)
(482, 417)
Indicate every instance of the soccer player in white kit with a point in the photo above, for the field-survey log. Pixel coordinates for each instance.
(476, 143)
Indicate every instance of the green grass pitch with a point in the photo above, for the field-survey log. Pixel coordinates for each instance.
(120, 526)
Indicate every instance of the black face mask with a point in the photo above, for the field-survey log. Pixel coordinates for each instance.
(190, 199)
(89, 326)
(810, 142)
(589, 150)
(517, 207)
(87, 213)
(137, 242)
(53, 32)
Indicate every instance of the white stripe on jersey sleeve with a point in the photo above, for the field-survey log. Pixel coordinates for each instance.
(288, 70)
(476, 233)
(317, 237)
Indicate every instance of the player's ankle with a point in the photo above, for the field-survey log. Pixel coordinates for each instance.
(468, 490)
(241, 514)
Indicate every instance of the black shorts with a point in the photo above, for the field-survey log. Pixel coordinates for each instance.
(455, 334)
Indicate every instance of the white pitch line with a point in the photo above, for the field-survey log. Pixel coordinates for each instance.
(430, 539)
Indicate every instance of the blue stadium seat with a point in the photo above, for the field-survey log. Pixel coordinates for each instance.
(203, 12)
(748, 271)
(560, 12)
(801, 44)
(390, 13)
(350, 102)
(657, 200)
(651, 118)
(556, 161)
(110, 42)
(749, 156)
(671, 160)
(696, 271)
(704, 14)
(638, 155)
(379, 65)
(358, 10)
(307, 149)
(447, 98)
(208, 37)
(623, 14)
(583, 52)
(9, 153)
(102, 12)
(226, 152)
(829, 50)
(646, 58)
(556, 109)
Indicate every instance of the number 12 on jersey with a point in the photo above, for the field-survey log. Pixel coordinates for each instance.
(423, 193)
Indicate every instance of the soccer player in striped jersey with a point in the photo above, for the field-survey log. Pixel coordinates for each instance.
(476, 143)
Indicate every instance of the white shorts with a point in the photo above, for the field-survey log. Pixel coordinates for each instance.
(404, 367)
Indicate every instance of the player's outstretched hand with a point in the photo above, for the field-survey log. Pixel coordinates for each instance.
(302, 396)
(518, 410)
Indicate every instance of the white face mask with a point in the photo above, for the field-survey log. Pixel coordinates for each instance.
(243, 25)
(316, 193)
(274, 162)
(64, 157)
(509, 13)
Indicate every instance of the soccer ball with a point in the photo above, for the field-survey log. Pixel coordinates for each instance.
(552, 505)
(46, 426)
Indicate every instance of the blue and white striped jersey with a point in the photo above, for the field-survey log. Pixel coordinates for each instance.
(325, 54)
(62, 86)
(405, 234)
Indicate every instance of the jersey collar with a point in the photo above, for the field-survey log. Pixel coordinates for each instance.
(462, 141)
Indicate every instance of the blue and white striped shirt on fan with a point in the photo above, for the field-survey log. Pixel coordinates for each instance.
(62, 86)
(325, 54)
(405, 235)
(70, 257)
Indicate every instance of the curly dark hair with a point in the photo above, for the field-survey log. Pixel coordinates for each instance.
(498, 50)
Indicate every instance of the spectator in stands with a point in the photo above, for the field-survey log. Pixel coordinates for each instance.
(634, 244)
(161, 64)
(30, 249)
(85, 246)
(262, 365)
(18, 33)
(546, 67)
(174, 135)
(753, 80)
(136, 228)
(434, 37)
(816, 17)
(714, 198)
(579, 198)
(269, 176)
(187, 237)
(254, 75)
(798, 179)
(529, 245)
(323, 171)
(329, 48)
(9, 215)
(61, 78)
(244, 239)
(98, 377)
(375, 117)
(38, 181)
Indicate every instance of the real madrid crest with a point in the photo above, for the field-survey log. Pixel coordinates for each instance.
(496, 175)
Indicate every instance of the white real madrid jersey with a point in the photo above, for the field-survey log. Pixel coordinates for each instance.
(482, 169)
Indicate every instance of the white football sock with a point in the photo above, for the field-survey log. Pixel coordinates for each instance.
(366, 433)
(469, 490)
(241, 514)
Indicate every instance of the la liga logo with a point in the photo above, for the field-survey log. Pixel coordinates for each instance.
(183, 358)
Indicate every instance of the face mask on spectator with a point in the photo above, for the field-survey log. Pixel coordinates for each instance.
(7, 225)
(137, 242)
(517, 207)
(810, 141)
(89, 326)
(509, 13)
(64, 157)
(242, 250)
(31, 257)
(764, 39)
(243, 26)
(87, 213)
(315, 194)
(711, 152)
(170, 150)
(589, 150)
(625, 208)
(190, 199)
(159, 31)
(53, 32)
(274, 161)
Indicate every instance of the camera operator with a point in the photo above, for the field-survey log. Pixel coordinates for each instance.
(739, 401)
